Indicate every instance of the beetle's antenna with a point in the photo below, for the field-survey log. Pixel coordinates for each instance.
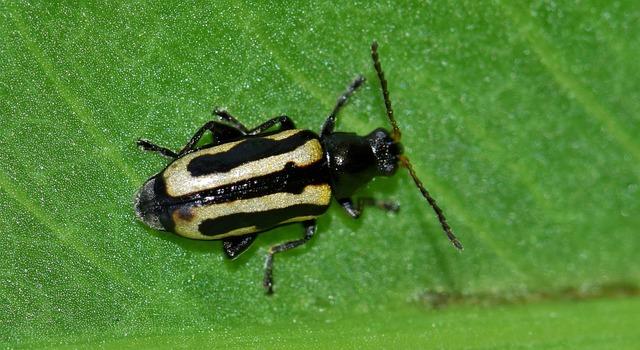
(443, 221)
(397, 135)
(404, 161)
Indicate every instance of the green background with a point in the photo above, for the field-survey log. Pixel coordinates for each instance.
(521, 119)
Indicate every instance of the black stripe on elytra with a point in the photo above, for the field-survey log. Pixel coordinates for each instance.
(248, 150)
(291, 179)
(263, 220)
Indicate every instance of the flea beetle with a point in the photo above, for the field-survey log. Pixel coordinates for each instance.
(248, 181)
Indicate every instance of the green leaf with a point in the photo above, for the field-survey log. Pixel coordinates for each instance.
(521, 119)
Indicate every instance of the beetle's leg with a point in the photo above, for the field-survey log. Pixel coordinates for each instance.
(356, 211)
(371, 202)
(148, 146)
(221, 133)
(309, 230)
(228, 118)
(329, 124)
(285, 124)
(234, 246)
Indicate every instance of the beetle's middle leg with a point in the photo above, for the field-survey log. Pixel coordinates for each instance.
(309, 231)
(221, 133)
(148, 146)
(285, 123)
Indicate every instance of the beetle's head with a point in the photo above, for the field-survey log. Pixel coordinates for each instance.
(355, 160)
(386, 151)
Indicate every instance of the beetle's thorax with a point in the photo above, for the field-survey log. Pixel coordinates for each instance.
(355, 160)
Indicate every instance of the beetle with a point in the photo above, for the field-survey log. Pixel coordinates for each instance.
(248, 181)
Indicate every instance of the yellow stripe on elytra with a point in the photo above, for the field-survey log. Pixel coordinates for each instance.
(313, 194)
(179, 181)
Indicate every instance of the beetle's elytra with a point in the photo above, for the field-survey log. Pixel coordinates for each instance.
(247, 181)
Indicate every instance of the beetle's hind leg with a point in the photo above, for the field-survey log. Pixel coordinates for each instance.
(309, 231)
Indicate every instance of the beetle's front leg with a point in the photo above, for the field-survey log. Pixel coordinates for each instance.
(356, 210)
(309, 231)
(330, 122)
